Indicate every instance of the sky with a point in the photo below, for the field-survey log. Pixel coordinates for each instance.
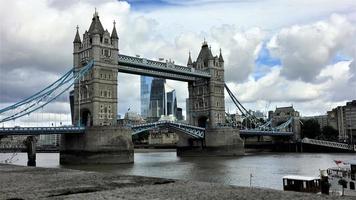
(277, 53)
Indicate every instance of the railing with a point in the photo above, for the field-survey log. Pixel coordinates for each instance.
(247, 132)
(329, 144)
(194, 131)
(168, 66)
(41, 130)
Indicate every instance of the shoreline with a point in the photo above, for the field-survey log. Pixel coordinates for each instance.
(59, 183)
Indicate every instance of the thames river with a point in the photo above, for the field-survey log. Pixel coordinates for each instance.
(259, 170)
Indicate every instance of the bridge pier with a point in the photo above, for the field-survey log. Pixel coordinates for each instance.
(30, 144)
(219, 141)
(98, 145)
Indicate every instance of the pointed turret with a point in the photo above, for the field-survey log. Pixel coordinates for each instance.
(190, 63)
(205, 55)
(77, 37)
(114, 33)
(96, 27)
(221, 59)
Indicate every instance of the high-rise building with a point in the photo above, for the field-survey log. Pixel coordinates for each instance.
(163, 100)
(171, 101)
(146, 82)
(157, 98)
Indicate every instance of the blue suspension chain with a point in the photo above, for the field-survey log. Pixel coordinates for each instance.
(42, 95)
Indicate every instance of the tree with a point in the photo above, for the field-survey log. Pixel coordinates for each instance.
(330, 133)
(248, 122)
(310, 128)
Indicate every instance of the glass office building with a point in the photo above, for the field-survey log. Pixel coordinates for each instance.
(145, 92)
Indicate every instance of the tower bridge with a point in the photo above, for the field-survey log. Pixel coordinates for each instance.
(96, 62)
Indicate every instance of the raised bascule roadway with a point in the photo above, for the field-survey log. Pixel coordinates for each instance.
(95, 136)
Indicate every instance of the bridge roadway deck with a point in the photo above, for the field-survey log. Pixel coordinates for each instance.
(169, 70)
(336, 145)
(19, 182)
(246, 132)
(42, 130)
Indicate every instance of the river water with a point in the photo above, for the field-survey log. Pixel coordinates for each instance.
(267, 170)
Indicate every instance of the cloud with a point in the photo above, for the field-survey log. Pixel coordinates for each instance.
(310, 98)
(304, 50)
(241, 48)
(36, 46)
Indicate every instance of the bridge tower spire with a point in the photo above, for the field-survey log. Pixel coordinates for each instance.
(190, 63)
(206, 108)
(95, 102)
(98, 89)
(206, 97)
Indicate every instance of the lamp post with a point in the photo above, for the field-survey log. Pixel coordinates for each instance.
(79, 124)
(351, 136)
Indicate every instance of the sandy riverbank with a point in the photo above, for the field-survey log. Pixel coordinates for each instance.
(18, 182)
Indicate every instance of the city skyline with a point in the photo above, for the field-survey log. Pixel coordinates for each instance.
(305, 61)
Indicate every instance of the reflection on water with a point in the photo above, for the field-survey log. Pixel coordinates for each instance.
(267, 169)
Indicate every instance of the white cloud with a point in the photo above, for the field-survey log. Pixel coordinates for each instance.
(305, 50)
(38, 41)
(310, 98)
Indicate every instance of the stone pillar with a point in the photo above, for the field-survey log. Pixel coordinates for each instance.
(220, 141)
(30, 144)
(98, 145)
(296, 128)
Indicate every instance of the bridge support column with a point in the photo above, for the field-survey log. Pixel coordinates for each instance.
(222, 141)
(98, 145)
(30, 144)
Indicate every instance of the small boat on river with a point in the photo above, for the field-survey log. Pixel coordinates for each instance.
(301, 183)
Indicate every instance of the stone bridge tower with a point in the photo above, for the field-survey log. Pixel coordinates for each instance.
(206, 103)
(206, 108)
(95, 97)
(95, 102)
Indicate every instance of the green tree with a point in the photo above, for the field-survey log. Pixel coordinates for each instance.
(248, 122)
(330, 133)
(310, 128)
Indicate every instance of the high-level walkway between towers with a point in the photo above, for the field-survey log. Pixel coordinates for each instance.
(168, 69)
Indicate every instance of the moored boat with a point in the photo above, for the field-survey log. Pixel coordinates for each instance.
(301, 183)
(342, 179)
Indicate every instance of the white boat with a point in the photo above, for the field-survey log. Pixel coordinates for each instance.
(301, 183)
(342, 179)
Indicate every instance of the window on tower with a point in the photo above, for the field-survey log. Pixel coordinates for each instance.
(106, 53)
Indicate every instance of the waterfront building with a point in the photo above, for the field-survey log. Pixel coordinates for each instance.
(13, 142)
(321, 119)
(162, 137)
(130, 118)
(343, 118)
(282, 114)
(49, 140)
(180, 116)
(145, 92)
